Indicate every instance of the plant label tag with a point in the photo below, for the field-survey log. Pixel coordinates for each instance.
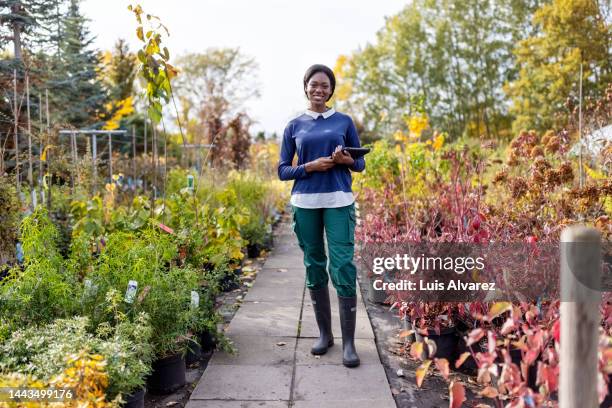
(190, 182)
(130, 293)
(195, 299)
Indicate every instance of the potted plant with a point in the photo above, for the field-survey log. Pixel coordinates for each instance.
(135, 273)
(435, 322)
(43, 288)
(172, 318)
(42, 351)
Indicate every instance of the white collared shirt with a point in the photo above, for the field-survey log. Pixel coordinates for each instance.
(325, 114)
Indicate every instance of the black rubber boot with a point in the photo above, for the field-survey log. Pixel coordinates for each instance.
(348, 319)
(322, 310)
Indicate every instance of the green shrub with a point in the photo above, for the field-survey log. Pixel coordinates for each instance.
(163, 292)
(44, 289)
(42, 351)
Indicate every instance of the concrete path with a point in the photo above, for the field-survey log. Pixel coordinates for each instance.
(273, 331)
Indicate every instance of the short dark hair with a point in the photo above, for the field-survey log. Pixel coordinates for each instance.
(324, 69)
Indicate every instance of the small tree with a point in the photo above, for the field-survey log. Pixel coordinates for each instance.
(214, 86)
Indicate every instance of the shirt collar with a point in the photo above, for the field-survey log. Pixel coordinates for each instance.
(325, 114)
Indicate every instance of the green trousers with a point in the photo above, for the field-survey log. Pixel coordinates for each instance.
(339, 227)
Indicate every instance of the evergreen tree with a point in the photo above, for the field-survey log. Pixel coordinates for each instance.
(29, 25)
(120, 71)
(74, 83)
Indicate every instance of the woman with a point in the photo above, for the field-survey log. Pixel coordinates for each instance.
(323, 201)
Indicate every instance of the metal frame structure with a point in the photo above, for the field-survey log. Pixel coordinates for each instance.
(94, 148)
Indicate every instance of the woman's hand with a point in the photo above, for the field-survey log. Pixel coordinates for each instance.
(321, 164)
(340, 157)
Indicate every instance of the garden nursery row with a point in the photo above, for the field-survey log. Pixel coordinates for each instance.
(423, 194)
(111, 293)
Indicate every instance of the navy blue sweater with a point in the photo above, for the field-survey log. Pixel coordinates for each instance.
(314, 138)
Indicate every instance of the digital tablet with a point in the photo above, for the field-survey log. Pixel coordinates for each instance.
(356, 152)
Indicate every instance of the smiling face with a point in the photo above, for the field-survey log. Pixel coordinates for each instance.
(318, 90)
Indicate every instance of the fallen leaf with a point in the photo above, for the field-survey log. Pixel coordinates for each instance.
(416, 350)
(394, 391)
(442, 366)
(281, 343)
(421, 372)
(462, 359)
(457, 394)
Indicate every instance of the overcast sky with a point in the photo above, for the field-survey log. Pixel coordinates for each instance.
(284, 37)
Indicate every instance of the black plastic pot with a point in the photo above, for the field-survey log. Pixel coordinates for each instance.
(469, 365)
(446, 342)
(169, 374)
(208, 342)
(194, 353)
(268, 241)
(374, 295)
(135, 399)
(253, 250)
(230, 281)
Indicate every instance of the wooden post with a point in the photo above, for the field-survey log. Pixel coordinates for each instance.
(48, 151)
(74, 159)
(165, 175)
(41, 146)
(94, 153)
(110, 158)
(30, 175)
(134, 155)
(580, 164)
(145, 136)
(144, 153)
(580, 299)
(16, 133)
(154, 156)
